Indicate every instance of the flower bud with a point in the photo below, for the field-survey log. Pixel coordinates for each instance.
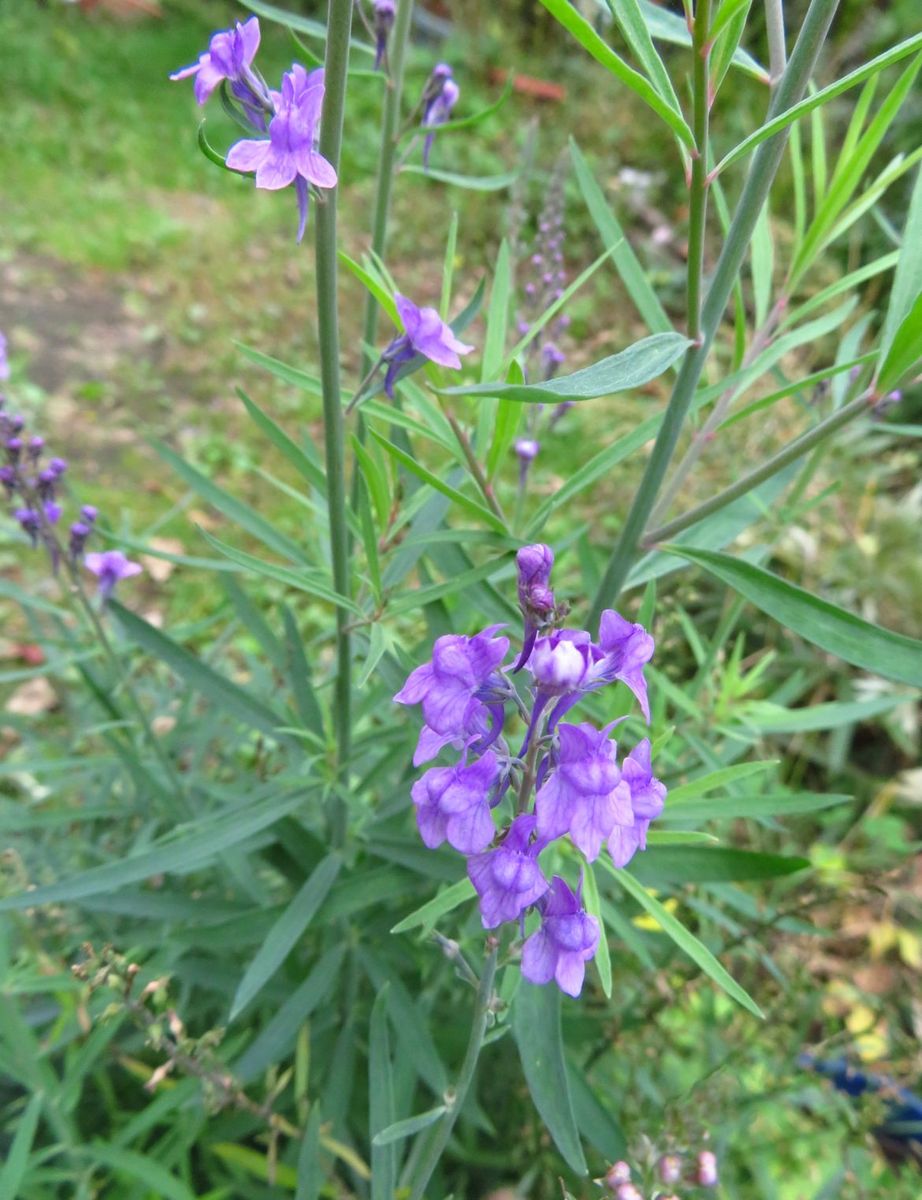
(558, 665)
(669, 1168)
(706, 1174)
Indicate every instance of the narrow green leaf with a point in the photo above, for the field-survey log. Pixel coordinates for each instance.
(445, 902)
(371, 284)
(627, 264)
(187, 847)
(631, 368)
(666, 26)
(708, 864)
(868, 646)
(146, 1172)
(310, 1175)
(305, 467)
(725, 47)
(315, 29)
(235, 510)
(434, 481)
(773, 719)
(286, 932)
(472, 183)
(409, 1021)
(685, 837)
(585, 34)
(406, 1128)
(904, 358)
(381, 1104)
(718, 779)
(594, 908)
(217, 688)
(819, 98)
(299, 676)
(593, 1120)
(17, 1154)
(731, 808)
(630, 20)
(683, 938)
(274, 1041)
(907, 279)
(307, 580)
(536, 1025)
(294, 376)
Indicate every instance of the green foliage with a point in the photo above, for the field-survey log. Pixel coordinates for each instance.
(284, 992)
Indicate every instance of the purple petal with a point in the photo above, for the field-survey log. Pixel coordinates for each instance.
(539, 958)
(249, 38)
(408, 313)
(277, 170)
(247, 155)
(207, 79)
(315, 168)
(570, 972)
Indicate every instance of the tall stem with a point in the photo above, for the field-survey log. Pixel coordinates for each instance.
(697, 204)
(762, 172)
(774, 25)
(439, 1141)
(390, 119)
(339, 26)
(771, 466)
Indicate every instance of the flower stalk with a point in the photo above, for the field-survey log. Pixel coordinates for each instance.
(698, 189)
(339, 27)
(384, 184)
(455, 1102)
(761, 175)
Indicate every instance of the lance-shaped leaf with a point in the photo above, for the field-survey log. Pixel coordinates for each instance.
(877, 650)
(632, 368)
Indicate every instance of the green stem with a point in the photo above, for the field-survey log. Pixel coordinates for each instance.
(439, 1141)
(698, 187)
(476, 470)
(397, 53)
(339, 26)
(771, 466)
(762, 172)
(774, 26)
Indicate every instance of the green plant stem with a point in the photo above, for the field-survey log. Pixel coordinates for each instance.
(397, 53)
(771, 466)
(439, 1141)
(339, 26)
(698, 187)
(476, 469)
(762, 172)
(774, 26)
(705, 435)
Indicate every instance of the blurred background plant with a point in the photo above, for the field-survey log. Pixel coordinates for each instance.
(281, 1018)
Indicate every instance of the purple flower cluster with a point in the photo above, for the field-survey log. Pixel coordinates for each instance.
(32, 484)
(697, 1171)
(291, 117)
(565, 780)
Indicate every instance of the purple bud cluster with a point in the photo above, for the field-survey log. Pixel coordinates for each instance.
(564, 781)
(33, 490)
(291, 117)
(688, 1170)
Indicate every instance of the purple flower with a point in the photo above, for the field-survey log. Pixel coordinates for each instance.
(384, 19)
(452, 804)
(230, 55)
(560, 662)
(647, 793)
(552, 358)
(4, 361)
(584, 795)
(453, 686)
(527, 449)
(508, 879)
(440, 95)
(566, 940)
(29, 522)
(425, 333)
(53, 512)
(622, 652)
(109, 566)
(536, 600)
(79, 533)
(289, 155)
(706, 1174)
(647, 797)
